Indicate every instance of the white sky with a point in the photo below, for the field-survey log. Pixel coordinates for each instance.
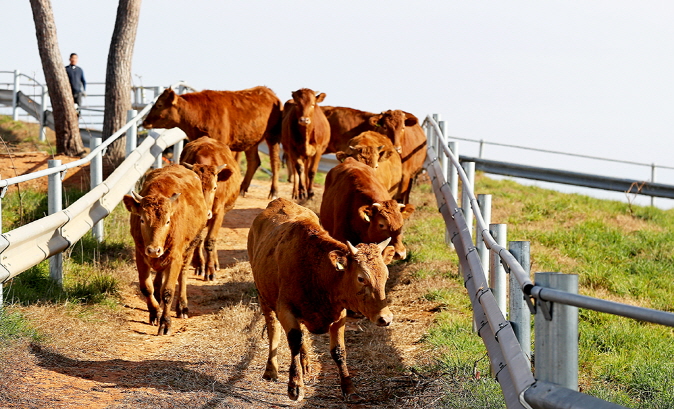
(592, 77)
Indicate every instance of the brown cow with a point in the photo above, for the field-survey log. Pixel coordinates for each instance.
(376, 151)
(356, 207)
(305, 135)
(207, 155)
(240, 119)
(401, 127)
(304, 276)
(166, 219)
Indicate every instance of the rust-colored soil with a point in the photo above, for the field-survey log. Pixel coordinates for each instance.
(95, 358)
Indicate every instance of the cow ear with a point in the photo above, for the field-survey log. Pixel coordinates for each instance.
(374, 120)
(225, 174)
(387, 254)
(341, 156)
(320, 97)
(410, 120)
(406, 210)
(365, 213)
(131, 204)
(338, 259)
(384, 155)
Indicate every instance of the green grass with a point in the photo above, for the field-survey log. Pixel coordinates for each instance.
(620, 252)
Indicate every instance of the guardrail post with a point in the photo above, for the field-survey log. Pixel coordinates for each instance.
(519, 314)
(444, 160)
(96, 171)
(43, 120)
(15, 96)
(132, 132)
(469, 168)
(482, 251)
(556, 340)
(55, 204)
(453, 175)
(434, 137)
(177, 151)
(497, 275)
(481, 149)
(652, 181)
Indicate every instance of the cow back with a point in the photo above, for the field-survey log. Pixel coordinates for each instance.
(345, 123)
(209, 151)
(376, 150)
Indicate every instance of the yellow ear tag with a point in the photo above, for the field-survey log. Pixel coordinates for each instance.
(367, 218)
(340, 266)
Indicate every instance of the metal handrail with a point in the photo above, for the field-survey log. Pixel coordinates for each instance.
(5, 183)
(577, 155)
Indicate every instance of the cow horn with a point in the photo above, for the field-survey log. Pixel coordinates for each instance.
(136, 196)
(221, 167)
(352, 249)
(383, 244)
(377, 205)
(189, 166)
(174, 197)
(401, 206)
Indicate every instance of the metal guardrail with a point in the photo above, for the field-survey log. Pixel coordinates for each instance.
(510, 366)
(28, 245)
(572, 178)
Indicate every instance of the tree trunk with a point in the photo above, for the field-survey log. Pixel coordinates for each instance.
(68, 140)
(118, 77)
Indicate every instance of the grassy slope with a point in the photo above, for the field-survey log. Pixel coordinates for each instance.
(620, 253)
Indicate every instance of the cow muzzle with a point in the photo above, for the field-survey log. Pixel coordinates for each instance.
(385, 318)
(304, 120)
(154, 252)
(400, 255)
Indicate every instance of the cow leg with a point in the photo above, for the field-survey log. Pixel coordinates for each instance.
(311, 174)
(404, 191)
(295, 341)
(182, 310)
(273, 333)
(338, 353)
(198, 259)
(275, 160)
(146, 285)
(167, 292)
(300, 193)
(252, 163)
(212, 263)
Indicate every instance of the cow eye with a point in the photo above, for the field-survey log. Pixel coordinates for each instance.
(361, 280)
(168, 222)
(142, 221)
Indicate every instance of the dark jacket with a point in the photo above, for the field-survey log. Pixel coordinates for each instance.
(76, 77)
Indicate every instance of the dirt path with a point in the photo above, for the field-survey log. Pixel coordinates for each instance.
(215, 358)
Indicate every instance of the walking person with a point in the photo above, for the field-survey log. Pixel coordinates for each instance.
(78, 84)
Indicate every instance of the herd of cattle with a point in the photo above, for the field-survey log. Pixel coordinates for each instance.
(308, 269)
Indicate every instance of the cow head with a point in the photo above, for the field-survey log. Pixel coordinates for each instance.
(209, 175)
(306, 102)
(365, 275)
(154, 212)
(385, 219)
(164, 112)
(392, 124)
(369, 155)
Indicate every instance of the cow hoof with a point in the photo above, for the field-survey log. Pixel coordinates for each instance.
(164, 327)
(270, 376)
(211, 277)
(295, 392)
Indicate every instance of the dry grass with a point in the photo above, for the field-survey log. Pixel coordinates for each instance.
(95, 356)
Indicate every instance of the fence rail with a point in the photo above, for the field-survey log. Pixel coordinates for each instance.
(555, 383)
